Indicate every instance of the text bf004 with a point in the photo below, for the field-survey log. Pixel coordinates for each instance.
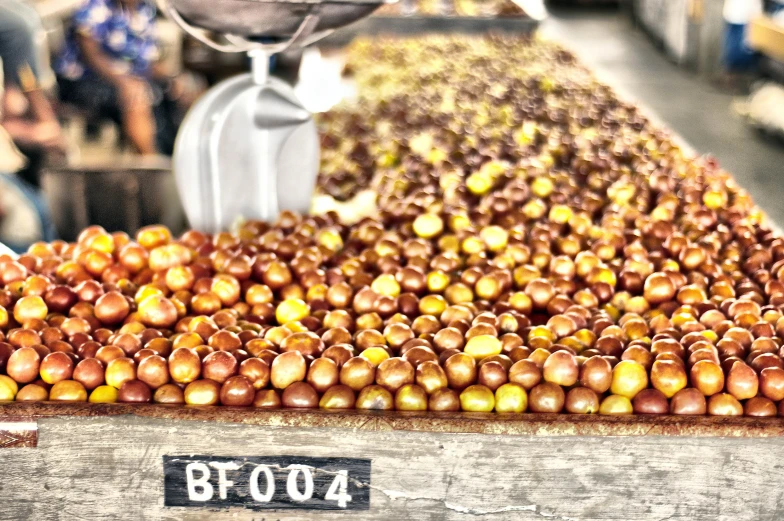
(267, 482)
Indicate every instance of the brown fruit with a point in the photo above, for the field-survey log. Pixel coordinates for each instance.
(688, 401)
(119, 371)
(707, 377)
(724, 404)
(525, 373)
(339, 354)
(394, 373)
(771, 383)
(658, 288)
(153, 370)
(23, 365)
(32, 393)
(357, 373)
(67, 391)
(445, 400)
(257, 371)
(492, 375)
(184, 365)
(300, 395)
(90, 373)
(375, 397)
(106, 354)
(650, 401)
(742, 381)
(596, 374)
(288, 368)
(758, 406)
(130, 344)
(431, 377)
(112, 308)
(338, 397)
(202, 392)
(629, 378)
(561, 369)
(582, 400)
(546, 397)
(169, 394)
(134, 391)
(323, 374)
(237, 391)
(5, 353)
(267, 399)
(219, 366)
(668, 377)
(157, 311)
(411, 397)
(56, 367)
(460, 371)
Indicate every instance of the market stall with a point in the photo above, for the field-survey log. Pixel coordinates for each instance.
(551, 310)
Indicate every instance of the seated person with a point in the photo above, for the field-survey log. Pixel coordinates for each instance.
(28, 115)
(110, 67)
(24, 216)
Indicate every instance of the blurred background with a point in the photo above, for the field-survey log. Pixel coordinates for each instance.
(95, 90)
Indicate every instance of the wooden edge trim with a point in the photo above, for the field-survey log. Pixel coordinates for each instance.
(436, 422)
(18, 432)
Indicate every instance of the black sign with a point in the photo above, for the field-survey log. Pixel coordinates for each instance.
(267, 482)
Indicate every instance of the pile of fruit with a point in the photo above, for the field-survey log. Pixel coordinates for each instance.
(539, 246)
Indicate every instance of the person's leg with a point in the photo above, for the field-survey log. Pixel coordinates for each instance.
(102, 99)
(138, 118)
(26, 218)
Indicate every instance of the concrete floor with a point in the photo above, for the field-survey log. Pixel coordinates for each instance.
(701, 113)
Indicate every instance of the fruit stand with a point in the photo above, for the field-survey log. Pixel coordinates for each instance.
(553, 311)
(113, 461)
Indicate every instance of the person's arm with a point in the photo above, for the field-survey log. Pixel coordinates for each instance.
(20, 27)
(40, 106)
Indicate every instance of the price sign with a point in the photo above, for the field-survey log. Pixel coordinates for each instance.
(268, 482)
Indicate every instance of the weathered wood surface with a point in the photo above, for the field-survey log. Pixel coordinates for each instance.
(16, 432)
(478, 423)
(111, 468)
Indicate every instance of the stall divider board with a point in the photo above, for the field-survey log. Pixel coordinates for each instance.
(155, 462)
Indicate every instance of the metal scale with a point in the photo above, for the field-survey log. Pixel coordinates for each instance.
(248, 148)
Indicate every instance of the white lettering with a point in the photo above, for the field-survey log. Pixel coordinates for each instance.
(203, 482)
(338, 489)
(291, 483)
(223, 483)
(254, 484)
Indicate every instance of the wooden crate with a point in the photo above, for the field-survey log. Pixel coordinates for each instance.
(88, 461)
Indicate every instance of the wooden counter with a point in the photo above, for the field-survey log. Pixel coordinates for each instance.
(64, 461)
(767, 37)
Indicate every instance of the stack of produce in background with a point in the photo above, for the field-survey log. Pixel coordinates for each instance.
(539, 246)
